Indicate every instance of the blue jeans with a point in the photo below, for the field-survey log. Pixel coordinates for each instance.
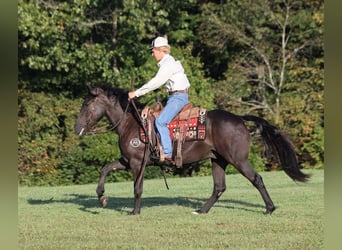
(174, 104)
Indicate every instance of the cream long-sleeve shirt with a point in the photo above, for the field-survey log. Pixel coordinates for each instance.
(171, 73)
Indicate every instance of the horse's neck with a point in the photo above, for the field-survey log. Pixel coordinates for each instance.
(115, 115)
(120, 120)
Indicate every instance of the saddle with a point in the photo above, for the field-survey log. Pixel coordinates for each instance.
(188, 125)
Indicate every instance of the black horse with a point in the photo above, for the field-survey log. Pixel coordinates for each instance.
(227, 142)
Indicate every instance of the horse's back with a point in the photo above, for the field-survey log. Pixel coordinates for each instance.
(227, 131)
(221, 118)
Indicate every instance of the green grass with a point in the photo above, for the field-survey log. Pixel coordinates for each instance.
(70, 217)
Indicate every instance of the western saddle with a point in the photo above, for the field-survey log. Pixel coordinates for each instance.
(179, 128)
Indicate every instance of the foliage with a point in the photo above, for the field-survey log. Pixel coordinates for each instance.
(275, 65)
(260, 57)
(304, 112)
(56, 52)
(45, 125)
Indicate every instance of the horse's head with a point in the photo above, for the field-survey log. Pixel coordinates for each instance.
(92, 110)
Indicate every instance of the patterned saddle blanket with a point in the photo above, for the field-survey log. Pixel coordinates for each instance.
(188, 125)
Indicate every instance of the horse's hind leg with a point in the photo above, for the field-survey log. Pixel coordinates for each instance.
(219, 178)
(247, 170)
(116, 165)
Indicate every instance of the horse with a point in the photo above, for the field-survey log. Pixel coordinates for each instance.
(227, 141)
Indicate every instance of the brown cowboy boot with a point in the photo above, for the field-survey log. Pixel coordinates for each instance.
(168, 161)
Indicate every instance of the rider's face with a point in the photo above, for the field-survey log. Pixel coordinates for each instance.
(157, 54)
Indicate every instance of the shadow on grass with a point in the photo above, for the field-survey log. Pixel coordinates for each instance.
(88, 203)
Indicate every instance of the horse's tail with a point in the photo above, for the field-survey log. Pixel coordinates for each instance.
(280, 145)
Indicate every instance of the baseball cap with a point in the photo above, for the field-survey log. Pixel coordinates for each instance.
(159, 42)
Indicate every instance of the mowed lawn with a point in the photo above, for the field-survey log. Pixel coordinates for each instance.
(70, 217)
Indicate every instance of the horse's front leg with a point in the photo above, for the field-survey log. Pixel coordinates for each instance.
(138, 177)
(116, 165)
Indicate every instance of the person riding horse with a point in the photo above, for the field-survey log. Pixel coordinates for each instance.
(171, 73)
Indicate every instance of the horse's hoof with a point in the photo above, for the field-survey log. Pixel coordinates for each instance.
(269, 210)
(196, 212)
(103, 201)
(134, 213)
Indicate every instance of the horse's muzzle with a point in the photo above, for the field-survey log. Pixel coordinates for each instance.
(79, 129)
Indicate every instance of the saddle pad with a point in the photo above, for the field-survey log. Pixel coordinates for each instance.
(194, 129)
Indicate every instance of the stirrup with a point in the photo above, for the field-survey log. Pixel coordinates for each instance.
(155, 158)
(168, 161)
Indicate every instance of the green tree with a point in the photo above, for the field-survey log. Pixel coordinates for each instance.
(57, 51)
(45, 133)
(272, 46)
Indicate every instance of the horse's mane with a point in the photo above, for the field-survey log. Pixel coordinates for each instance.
(122, 96)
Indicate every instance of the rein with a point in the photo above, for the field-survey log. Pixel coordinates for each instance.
(130, 101)
(120, 120)
(144, 161)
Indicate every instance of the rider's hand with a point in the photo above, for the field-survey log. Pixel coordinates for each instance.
(131, 95)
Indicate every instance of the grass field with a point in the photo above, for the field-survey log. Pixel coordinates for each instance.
(70, 217)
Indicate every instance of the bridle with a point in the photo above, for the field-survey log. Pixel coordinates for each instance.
(112, 127)
(90, 117)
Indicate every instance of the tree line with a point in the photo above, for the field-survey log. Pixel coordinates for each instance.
(249, 57)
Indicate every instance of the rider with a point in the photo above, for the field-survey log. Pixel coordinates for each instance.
(171, 73)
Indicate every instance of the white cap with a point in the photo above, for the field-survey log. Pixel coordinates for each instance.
(159, 42)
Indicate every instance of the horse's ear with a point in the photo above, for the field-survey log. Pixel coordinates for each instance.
(94, 91)
(90, 88)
